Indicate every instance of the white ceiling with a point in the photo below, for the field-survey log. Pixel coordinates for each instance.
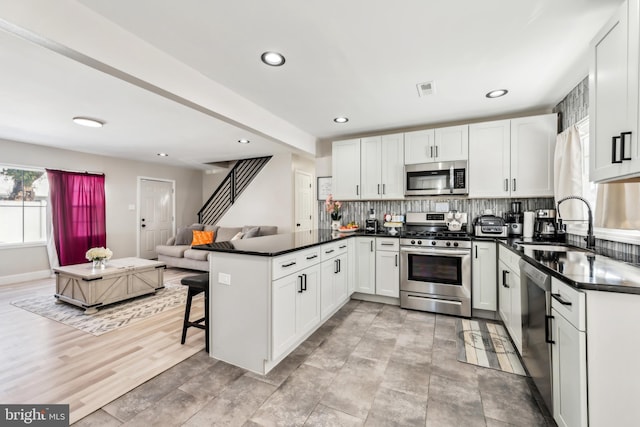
(359, 58)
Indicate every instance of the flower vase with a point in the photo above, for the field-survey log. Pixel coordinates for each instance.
(335, 224)
(99, 264)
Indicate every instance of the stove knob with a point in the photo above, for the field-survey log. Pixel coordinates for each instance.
(419, 242)
(413, 242)
(433, 243)
(448, 243)
(455, 244)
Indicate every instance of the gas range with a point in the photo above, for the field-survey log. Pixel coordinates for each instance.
(431, 229)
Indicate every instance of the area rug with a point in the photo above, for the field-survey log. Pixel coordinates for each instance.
(487, 344)
(110, 317)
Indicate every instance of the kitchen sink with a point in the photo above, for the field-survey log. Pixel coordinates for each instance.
(551, 247)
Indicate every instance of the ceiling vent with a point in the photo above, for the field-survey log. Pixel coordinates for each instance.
(426, 88)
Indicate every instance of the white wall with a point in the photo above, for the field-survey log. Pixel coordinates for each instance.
(120, 192)
(268, 200)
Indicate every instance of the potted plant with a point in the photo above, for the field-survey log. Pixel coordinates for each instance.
(333, 207)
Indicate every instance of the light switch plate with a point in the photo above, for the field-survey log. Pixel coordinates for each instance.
(224, 279)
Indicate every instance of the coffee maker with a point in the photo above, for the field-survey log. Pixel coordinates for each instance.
(514, 219)
(545, 225)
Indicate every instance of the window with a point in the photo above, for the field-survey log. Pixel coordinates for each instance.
(23, 205)
(590, 192)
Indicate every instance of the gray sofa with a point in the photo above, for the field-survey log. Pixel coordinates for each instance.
(181, 255)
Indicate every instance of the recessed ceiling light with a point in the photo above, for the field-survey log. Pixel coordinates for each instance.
(274, 59)
(86, 121)
(244, 141)
(163, 155)
(341, 120)
(497, 93)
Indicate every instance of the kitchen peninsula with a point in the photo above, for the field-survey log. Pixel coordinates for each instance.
(268, 294)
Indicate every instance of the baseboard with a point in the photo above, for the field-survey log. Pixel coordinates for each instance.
(375, 298)
(24, 277)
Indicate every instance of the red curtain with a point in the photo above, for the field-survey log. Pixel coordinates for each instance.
(78, 214)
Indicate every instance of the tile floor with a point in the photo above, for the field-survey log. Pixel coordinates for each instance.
(370, 364)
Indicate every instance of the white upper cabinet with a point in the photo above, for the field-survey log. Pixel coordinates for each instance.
(346, 169)
(451, 143)
(490, 159)
(382, 167)
(533, 143)
(512, 158)
(418, 146)
(436, 145)
(613, 97)
(393, 166)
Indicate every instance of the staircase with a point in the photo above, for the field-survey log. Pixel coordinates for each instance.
(229, 190)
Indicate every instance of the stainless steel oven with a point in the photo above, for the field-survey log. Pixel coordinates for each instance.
(436, 277)
(428, 179)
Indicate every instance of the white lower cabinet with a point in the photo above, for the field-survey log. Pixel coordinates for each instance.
(334, 287)
(510, 295)
(365, 265)
(484, 292)
(296, 308)
(569, 356)
(388, 273)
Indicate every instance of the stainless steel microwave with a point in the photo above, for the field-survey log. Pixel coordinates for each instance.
(431, 179)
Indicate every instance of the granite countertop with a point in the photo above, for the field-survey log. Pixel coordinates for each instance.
(279, 244)
(584, 269)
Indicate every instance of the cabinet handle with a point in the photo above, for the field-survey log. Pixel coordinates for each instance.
(431, 151)
(396, 260)
(561, 300)
(339, 265)
(506, 184)
(386, 244)
(614, 149)
(342, 247)
(328, 252)
(514, 185)
(335, 266)
(300, 289)
(623, 140)
(304, 277)
(547, 330)
(288, 265)
(476, 252)
(504, 278)
(312, 257)
(357, 190)
(371, 245)
(384, 191)
(436, 151)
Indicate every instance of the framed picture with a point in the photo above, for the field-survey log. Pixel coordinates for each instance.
(324, 187)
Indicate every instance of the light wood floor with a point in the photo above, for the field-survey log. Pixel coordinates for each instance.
(43, 361)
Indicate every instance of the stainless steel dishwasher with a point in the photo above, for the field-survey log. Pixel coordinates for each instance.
(536, 340)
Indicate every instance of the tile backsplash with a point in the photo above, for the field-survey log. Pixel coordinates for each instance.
(358, 211)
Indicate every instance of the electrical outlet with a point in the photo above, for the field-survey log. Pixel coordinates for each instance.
(224, 279)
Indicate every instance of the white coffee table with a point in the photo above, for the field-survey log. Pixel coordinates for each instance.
(122, 279)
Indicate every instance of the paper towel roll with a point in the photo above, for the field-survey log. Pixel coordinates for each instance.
(527, 226)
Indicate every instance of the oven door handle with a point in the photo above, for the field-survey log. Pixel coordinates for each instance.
(452, 252)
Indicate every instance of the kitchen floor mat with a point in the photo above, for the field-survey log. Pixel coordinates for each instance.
(486, 344)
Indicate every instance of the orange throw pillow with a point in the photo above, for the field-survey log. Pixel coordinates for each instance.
(202, 237)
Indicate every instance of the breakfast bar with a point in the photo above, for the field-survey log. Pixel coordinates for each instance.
(265, 294)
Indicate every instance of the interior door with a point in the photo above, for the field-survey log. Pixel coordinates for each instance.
(303, 201)
(156, 215)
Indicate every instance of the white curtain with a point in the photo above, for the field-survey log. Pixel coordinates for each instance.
(618, 206)
(567, 173)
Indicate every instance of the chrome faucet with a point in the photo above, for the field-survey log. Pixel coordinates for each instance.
(590, 239)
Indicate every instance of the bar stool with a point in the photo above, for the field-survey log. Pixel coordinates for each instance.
(197, 284)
